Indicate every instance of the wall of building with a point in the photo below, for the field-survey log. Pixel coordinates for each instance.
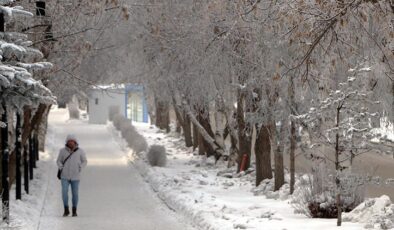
(100, 101)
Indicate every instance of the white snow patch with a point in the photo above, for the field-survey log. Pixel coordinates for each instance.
(376, 213)
(213, 196)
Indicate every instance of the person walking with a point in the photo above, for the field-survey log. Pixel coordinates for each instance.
(71, 160)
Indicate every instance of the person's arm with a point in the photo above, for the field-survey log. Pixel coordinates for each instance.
(59, 160)
(84, 161)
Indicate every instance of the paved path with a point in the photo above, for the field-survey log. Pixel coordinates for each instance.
(113, 196)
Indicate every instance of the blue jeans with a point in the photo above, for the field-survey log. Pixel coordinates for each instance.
(74, 191)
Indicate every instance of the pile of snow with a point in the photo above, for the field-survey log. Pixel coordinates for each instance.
(376, 213)
(266, 188)
(213, 196)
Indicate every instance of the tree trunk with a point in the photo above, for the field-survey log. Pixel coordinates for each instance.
(277, 143)
(42, 130)
(32, 160)
(233, 154)
(202, 150)
(187, 131)
(338, 200)
(195, 137)
(33, 139)
(36, 144)
(26, 144)
(263, 155)
(226, 131)
(293, 145)
(1, 158)
(338, 168)
(244, 140)
(30, 125)
(218, 150)
(26, 168)
(178, 128)
(5, 157)
(220, 127)
(179, 120)
(152, 116)
(162, 115)
(18, 155)
(11, 148)
(159, 121)
(201, 146)
(204, 121)
(279, 169)
(184, 121)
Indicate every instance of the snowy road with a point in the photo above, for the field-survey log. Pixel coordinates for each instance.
(112, 193)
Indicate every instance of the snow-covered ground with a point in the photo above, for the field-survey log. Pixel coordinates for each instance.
(114, 196)
(193, 188)
(25, 213)
(112, 193)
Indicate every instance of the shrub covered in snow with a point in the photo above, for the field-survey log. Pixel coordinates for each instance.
(134, 140)
(139, 143)
(130, 135)
(73, 111)
(125, 124)
(157, 156)
(118, 119)
(128, 132)
(315, 195)
(112, 111)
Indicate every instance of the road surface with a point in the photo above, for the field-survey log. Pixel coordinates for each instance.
(113, 196)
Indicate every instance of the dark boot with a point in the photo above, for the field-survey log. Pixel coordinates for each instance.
(75, 211)
(66, 211)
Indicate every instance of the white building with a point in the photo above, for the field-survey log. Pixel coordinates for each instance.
(128, 99)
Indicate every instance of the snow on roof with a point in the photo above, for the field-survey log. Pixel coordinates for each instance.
(111, 86)
(117, 86)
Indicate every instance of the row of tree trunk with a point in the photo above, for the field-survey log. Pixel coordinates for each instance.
(18, 159)
(198, 132)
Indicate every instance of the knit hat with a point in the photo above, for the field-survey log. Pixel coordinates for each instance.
(71, 137)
